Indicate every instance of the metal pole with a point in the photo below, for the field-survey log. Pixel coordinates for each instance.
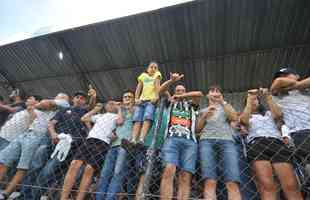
(151, 153)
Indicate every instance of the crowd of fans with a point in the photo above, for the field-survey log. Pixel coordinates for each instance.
(80, 148)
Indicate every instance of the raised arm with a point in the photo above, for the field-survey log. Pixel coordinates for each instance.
(138, 91)
(274, 108)
(230, 112)
(52, 131)
(49, 104)
(194, 95)
(45, 104)
(174, 77)
(303, 84)
(246, 114)
(92, 97)
(120, 117)
(282, 84)
(8, 108)
(87, 117)
(157, 86)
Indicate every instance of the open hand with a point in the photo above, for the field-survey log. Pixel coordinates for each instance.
(176, 76)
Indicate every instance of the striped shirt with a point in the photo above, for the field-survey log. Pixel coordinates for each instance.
(296, 110)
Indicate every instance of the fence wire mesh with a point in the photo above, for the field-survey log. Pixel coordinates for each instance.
(117, 172)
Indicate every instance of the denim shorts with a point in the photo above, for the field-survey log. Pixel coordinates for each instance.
(216, 155)
(144, 111)
(180, 152)
(3, 143)
(21, 150)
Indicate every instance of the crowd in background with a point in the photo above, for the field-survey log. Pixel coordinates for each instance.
(91, 149)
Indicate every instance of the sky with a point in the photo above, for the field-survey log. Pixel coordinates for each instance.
(19, 19)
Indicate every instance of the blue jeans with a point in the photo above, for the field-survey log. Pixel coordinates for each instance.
(3, 143)
(41, 156)
(43, 172)
(180, 152)
(22, 149)
(144, 111)
(211, 150)
(112, 174)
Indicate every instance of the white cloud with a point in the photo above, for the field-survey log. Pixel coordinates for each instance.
(15, 37)
(62, 14)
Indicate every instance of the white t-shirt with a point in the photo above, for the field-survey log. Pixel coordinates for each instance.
(103, 127)
(16, 126)
(296, 110)
(262, 126)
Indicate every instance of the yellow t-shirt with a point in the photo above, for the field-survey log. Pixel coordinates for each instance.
(148, 90)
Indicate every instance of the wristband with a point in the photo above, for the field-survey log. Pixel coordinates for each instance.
(285, 131)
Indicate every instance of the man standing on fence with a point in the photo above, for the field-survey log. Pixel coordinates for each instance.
(18, 123)
(216, 140)
(67, 122)
(293, 97)
(23, 147)
(180, 147)
(116, 165)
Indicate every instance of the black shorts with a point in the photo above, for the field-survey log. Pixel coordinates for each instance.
(302, 145)
(93, 152)
(270, 149)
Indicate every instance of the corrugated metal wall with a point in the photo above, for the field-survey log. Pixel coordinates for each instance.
(237, 44)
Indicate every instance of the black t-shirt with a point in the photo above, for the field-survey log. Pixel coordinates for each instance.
(69, 122)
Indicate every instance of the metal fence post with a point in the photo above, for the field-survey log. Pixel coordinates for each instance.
(151, 153)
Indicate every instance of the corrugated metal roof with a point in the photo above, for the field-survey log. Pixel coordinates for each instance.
(237, 44)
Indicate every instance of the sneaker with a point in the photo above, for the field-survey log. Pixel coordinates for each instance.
(15, 195)
(3, 196)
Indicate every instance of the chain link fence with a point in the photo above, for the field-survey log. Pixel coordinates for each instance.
(123, 173)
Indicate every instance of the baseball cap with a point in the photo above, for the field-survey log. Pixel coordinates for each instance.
(81, 93)
(284, 70)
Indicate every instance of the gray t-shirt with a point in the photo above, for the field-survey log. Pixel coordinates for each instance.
(296, 110)
(217, 126)
(40, 123)
(262, 126)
